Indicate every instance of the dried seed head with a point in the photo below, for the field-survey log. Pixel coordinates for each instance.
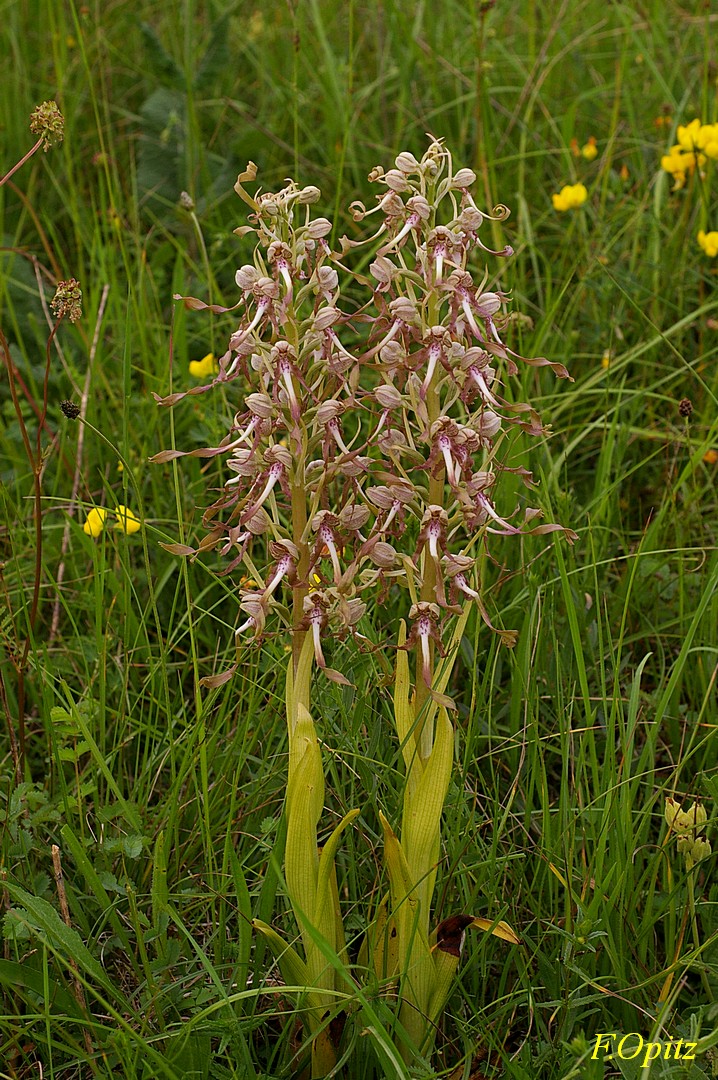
(48, 122)
(67, 301)
(70, 409)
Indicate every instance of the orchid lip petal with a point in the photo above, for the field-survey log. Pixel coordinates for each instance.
(261, 308)
(289, 384)
(466, 306)
(318, 654)
(433, 544)
(333, 429)
(446, 452)
(282, 570)
(284, 271)
(245, 434)
(465, 587)
(411, 221)
(431, 367)
(391, 515)
(334, 337)
(274, 473)
(328, 539)
(480, 381)
(425, 654)
(486, 504)
(385, 340)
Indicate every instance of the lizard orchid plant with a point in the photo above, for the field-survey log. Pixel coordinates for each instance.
(363, 460)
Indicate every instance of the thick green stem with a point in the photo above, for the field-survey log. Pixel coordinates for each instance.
(299, 525)
(694, 927)
(425, 727)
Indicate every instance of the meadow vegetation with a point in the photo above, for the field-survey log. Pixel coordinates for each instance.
(142, 812)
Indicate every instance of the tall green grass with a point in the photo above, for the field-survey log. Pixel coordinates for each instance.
(166, 799)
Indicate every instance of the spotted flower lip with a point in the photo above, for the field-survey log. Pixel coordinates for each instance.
(424, 617)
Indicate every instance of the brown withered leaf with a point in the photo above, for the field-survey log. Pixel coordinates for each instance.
(178, 549)
(443, 699)
(193, 304)
(451, 932)
(213, 681)
(336, 676)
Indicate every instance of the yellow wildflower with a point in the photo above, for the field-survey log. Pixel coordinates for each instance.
(95, 521)
(590, 150)
(570, 196)
(686, 824)
(606, 359)
(709, 134)
(709, 243)
(690, 135)
(127, 520)
(710, 457)
(208, 365)
(681, 160)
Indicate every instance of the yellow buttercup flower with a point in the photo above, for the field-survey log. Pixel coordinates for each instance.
(570, 196)
(127, 520)
(208, 365)
(95, 521)
(709, 243)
